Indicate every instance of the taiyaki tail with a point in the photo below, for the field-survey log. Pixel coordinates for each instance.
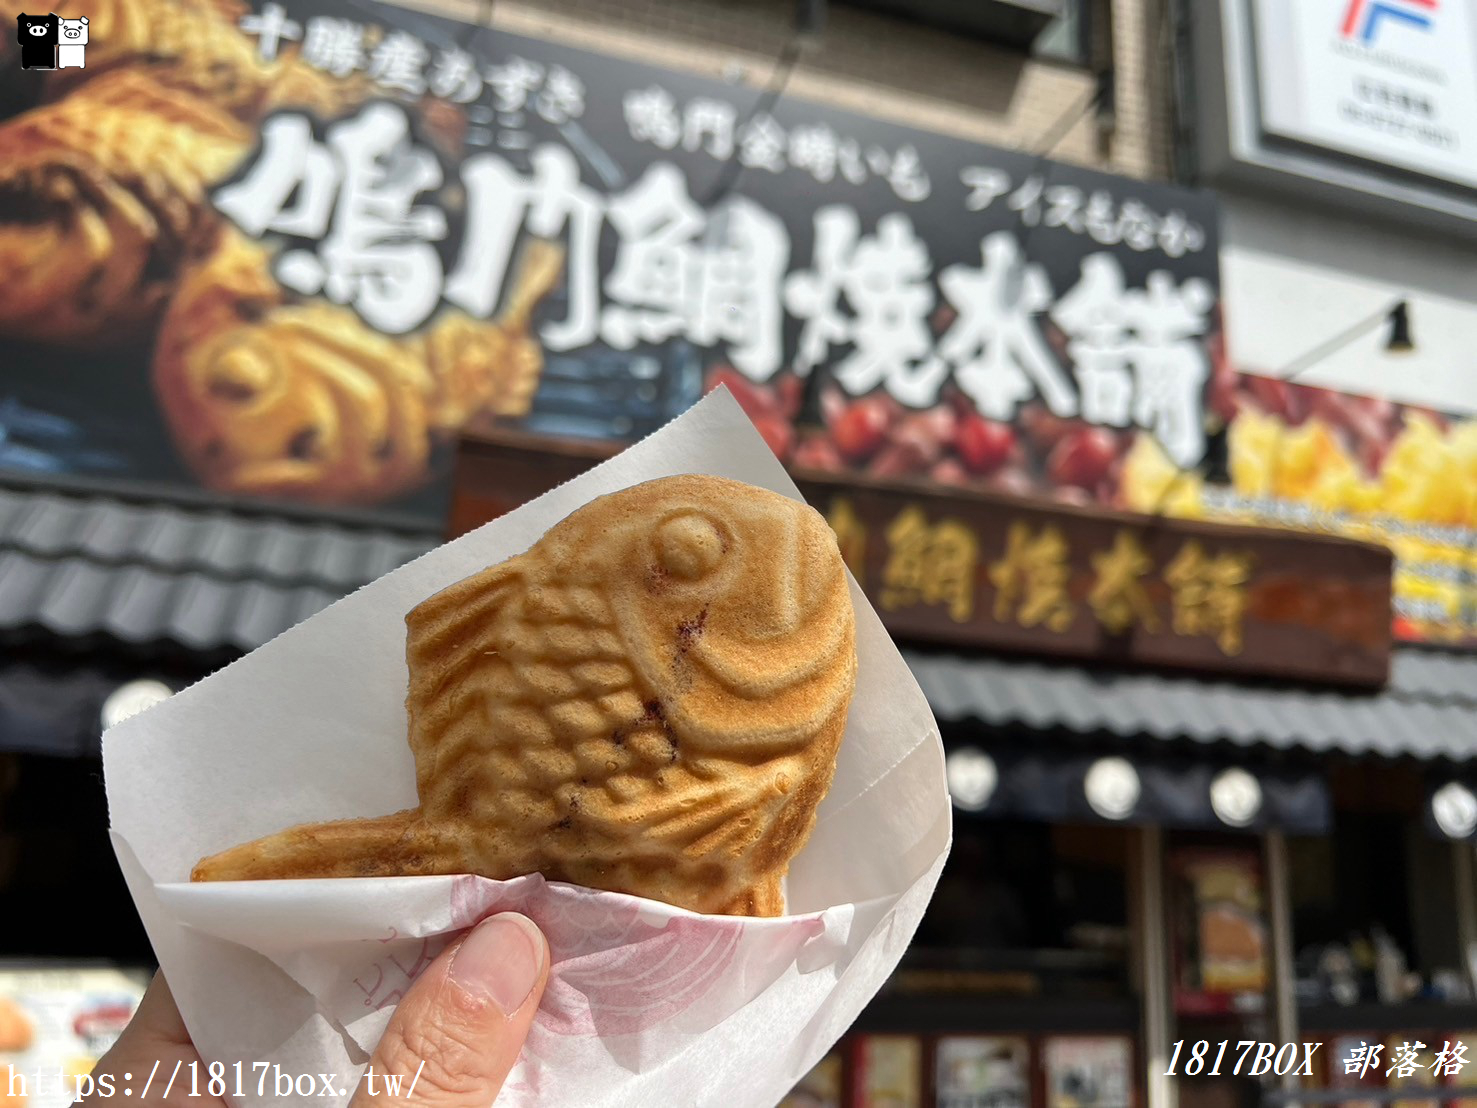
(539, 267)
(399, 844)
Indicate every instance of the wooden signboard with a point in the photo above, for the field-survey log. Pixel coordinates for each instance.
(987, 570)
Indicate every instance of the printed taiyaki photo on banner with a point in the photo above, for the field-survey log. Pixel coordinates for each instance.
(648, 701)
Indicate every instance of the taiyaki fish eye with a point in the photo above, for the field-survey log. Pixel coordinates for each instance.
(689, 546)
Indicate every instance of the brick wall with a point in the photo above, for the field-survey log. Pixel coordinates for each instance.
(893, 69)
(1143, 88)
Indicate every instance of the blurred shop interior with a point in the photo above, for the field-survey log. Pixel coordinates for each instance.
(1129, 364)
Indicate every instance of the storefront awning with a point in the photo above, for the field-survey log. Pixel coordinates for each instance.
(1428, 710)
(202, 577)
(1059, 785)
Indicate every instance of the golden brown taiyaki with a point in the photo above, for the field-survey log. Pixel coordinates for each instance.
(271, 394)
(103, 199)
(647, 701)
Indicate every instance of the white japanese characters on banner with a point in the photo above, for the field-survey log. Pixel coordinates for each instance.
(795, 242)
(712, 126)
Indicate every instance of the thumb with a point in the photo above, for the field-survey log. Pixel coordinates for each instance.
(457, 1032)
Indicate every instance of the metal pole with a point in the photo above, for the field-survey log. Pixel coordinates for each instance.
(1279, 911)
(1466, 907)
(1158, 1017)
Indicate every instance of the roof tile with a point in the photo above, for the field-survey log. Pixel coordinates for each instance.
(201, 577)
(1426, 712)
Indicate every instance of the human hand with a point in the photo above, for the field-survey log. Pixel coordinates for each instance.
(458, 1030)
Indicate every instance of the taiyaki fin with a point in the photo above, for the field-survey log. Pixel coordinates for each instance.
(399, 843)
(446, 629)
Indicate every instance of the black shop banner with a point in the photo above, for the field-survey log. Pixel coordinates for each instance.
(293, 251)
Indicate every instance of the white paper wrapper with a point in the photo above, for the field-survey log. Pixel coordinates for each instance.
(647, 1004)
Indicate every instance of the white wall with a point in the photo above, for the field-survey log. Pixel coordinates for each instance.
(1292, 279)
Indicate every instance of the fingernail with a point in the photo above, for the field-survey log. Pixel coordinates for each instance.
(501, 960)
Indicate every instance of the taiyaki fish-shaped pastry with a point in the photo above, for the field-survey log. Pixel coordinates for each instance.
(647, 701)
(271, 398)
(197, 46)
(271, 395)
(103, 199)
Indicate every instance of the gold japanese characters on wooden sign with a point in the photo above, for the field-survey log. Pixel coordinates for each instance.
(968, 569)
(939, 563)
(930, 564)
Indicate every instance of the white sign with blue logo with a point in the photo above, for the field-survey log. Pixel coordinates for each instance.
(1387, 81)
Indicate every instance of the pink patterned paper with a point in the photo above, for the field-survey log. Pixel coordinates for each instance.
(615, 968)
(385, 982)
